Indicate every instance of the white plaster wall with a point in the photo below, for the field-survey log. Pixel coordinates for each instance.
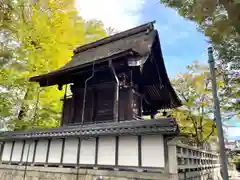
(55, 151)
(106, 150)
(28, 151)
(70, 151)
(7, 151)
(17, 151)
(152, 151)
(41, 151)
(87, 151)
(128, 151)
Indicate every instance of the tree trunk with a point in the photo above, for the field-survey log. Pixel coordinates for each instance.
(24, 107)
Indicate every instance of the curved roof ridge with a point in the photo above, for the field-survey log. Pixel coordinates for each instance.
(115, 37)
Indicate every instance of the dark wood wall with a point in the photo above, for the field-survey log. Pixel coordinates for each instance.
(99, 104)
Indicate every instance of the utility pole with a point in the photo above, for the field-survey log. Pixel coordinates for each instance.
(217, 113)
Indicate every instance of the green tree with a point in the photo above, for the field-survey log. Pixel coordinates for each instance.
(195, 116)
(43, 35)
(202, 10)
(219, 20)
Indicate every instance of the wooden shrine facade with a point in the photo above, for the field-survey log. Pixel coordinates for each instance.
(99, 104)
(118, 78)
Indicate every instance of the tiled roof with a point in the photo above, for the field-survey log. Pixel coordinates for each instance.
(166, 126)
(138, 40)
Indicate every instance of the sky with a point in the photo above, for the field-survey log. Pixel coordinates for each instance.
(181, 42)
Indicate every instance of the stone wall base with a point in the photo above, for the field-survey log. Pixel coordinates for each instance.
(14, 172)
(208, 174)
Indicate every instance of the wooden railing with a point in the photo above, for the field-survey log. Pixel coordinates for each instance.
(188, 162)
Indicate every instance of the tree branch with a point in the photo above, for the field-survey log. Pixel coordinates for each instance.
(195, 127)
(211, 133)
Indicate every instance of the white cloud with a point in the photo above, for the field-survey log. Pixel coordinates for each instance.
(118, 14)
(233, 131)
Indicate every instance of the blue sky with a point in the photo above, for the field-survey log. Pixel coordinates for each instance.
(180, 40)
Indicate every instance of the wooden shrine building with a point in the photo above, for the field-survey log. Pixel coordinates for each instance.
(118, 78)
(109, 86)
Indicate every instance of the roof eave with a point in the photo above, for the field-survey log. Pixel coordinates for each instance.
(59, 72)
(177, 102)
(164, 126)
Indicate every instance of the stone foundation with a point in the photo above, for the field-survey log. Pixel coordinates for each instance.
(12, 172)
(208, 174)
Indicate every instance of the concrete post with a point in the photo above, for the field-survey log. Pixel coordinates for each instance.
(172, 160)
